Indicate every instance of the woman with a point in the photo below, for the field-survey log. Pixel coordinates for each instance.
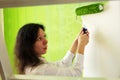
(31, 44)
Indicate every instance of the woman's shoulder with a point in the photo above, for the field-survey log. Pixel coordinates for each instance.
(33, 70)
(40, 69)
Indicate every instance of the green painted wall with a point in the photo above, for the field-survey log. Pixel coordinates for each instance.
(59, 20)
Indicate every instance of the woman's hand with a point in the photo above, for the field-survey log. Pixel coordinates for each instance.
(83, 40)
(75, 44)
(80, 41)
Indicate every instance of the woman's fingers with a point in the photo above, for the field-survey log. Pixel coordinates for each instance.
(87, 33)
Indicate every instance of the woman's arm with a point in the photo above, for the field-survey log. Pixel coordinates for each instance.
(78, 44)
(77, 68)
(75, 44)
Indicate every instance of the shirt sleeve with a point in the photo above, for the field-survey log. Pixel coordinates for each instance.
(67, 60)
(75, 70)
(79, 60)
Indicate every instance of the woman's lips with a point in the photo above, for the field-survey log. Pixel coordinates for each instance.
(45, 48)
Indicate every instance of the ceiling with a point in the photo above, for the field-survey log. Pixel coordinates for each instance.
(17, 3)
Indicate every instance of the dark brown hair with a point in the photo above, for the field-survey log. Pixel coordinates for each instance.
(24, 51)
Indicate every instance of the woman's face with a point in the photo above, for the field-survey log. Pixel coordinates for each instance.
(40, 45)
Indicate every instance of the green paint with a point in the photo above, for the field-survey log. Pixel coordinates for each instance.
(89, 9)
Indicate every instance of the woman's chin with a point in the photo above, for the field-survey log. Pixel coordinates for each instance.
(44, 52)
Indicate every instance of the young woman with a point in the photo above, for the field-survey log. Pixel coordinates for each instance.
(31, 44)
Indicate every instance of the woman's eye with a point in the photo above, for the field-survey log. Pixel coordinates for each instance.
(45, 36)
(39, 39)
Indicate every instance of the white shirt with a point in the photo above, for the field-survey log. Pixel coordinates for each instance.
(63, 67)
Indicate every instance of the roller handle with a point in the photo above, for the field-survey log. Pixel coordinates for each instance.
(84, 30)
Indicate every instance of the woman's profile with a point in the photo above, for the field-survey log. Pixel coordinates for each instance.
(31, 44)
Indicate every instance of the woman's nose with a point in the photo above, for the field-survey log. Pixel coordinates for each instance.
(45, 41)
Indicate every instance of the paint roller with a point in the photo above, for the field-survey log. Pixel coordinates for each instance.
(89, 9)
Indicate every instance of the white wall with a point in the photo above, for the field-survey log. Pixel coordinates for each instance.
(102, 57)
